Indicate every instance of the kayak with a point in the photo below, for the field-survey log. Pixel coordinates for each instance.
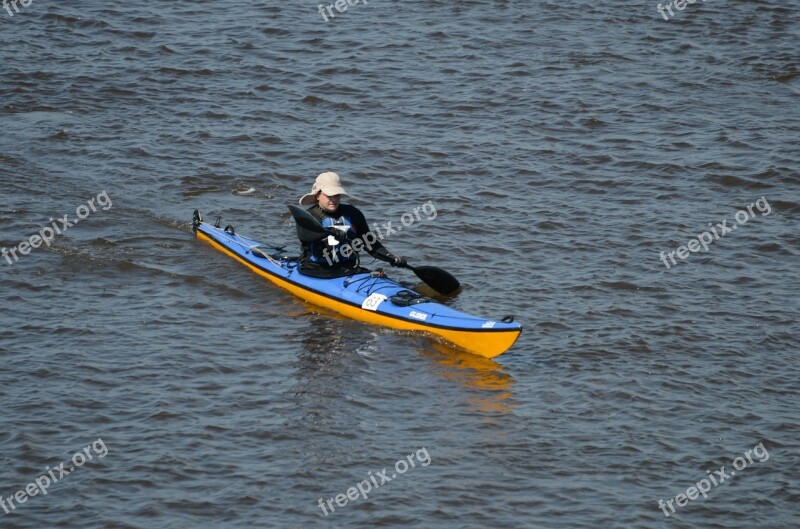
(370, 296)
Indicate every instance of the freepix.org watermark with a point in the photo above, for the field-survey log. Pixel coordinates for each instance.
(717, 477)
(706, 238)
(340, 5)
(43, 482)
(8, 4)
(363, 488)
(380, 233)
(680, 5)
(48, 233)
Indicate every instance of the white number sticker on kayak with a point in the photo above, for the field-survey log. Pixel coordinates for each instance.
(373, 301)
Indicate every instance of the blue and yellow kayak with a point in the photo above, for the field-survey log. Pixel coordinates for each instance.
(370, 297)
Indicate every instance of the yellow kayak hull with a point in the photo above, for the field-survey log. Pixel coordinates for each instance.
(484, 342)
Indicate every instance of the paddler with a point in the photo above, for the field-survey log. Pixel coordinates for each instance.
(336, 255)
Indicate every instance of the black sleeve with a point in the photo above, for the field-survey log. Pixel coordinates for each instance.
(361, 228)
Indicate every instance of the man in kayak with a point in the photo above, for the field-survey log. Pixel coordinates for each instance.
(333, 256)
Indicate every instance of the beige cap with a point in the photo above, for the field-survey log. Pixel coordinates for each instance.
(328, 183)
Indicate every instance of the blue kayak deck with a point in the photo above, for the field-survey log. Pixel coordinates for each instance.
(369, 291)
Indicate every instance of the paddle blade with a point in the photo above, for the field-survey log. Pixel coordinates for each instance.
(309, 229)
(439, 280)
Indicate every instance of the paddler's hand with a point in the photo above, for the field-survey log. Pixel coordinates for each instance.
(399, 261)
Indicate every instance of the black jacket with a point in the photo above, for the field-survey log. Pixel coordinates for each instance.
(359, 228)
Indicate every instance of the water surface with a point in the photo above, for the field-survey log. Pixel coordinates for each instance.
(564, 144)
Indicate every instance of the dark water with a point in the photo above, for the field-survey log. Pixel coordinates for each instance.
(564, 144)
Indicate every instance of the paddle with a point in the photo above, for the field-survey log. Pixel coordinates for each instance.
(309, 229)
(440, 280)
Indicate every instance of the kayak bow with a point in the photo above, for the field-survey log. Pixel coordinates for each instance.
(370, 297)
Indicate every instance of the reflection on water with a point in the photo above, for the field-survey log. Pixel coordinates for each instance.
(489, 384)
(322, 371)
(427, 291)
(333, 347)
